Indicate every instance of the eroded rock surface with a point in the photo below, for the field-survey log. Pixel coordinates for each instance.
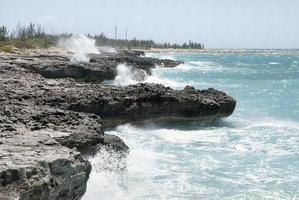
(102, 67)
(34, 166)
(50, 111)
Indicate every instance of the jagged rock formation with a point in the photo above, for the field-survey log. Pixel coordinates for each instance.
(34, 166)
(101, 67)
(46, 121)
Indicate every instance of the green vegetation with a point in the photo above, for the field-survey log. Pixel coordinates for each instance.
(3, 33)
(34, 36)
(102, 40)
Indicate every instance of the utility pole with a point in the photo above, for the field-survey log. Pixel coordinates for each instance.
(115, 32)
(126, 38)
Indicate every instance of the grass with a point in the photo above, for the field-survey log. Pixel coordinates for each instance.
(6, 45)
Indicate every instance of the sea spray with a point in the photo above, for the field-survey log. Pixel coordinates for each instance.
(108, 177)
(80, 45)
(127, 75)
(107, 49)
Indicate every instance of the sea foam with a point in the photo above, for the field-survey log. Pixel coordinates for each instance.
(127, 75)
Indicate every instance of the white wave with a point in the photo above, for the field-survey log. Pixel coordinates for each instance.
(127, 75)
(160, 56)
(206, 66)
(185, 137)
(272, 123)
(199, 66)
(148, 177)
(105, 182)
(201, 63)
(168, 57)
(185, 67)
(271, 137)
(155, 78)
(151, 55)
(273, 63)
(172, 135)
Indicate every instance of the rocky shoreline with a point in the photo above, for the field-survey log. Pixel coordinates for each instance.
(53, 111)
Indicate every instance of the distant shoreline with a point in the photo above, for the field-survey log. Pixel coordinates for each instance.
(229, 51)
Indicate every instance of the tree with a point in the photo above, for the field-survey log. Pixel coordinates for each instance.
(20, 32)
(40, 33)
(3, 33)
(31, 30)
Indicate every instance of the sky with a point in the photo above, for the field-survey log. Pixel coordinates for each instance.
(216, 23)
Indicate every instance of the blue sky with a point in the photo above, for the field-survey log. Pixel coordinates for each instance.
(216, 23)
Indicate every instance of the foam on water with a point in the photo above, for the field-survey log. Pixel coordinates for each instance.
(207, 66)
(273, 63)
(170, 77)
(206, 163)
(169, 55)
(251, 155)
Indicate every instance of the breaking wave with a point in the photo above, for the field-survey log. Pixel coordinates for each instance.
(202, 163)
(127, 75)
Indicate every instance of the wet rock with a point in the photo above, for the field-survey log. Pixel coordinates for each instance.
(109, 143)
(115, 143)
(50, 113)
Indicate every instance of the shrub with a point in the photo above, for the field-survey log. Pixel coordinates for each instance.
(3, 33)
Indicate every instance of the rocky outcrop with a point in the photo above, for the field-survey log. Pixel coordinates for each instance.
(139, 102)
(135, 60)
(102, 67)
(47, 122)
(34, 166)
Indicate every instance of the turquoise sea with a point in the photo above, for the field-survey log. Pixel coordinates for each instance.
(253, 154)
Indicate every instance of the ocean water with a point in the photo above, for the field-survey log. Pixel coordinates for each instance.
(253, 154)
